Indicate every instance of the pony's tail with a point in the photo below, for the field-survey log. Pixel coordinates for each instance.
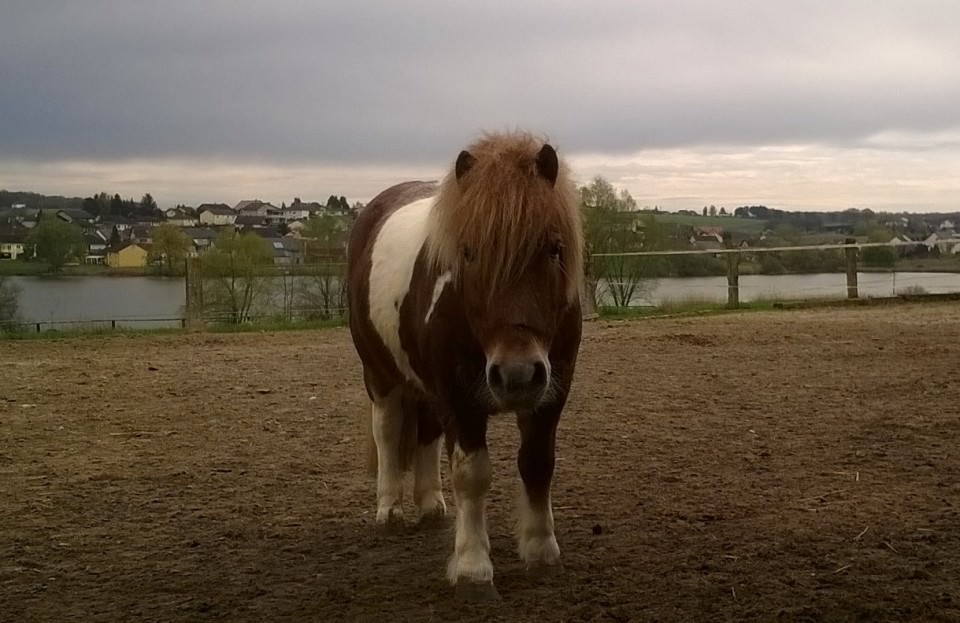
(407, 440)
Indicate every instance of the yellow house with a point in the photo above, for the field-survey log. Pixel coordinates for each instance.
(129, 255)
(10, 250)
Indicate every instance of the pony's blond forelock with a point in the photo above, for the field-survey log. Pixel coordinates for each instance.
(500, 211)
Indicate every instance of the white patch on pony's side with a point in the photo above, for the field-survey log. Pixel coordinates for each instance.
(438, 288)
(536, 542)
(392, 259)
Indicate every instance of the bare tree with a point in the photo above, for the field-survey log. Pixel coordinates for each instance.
(324, 293)
(613, 228)
(235, 278)
(9, 305)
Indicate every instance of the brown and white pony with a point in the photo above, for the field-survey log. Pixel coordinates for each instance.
(464, 303)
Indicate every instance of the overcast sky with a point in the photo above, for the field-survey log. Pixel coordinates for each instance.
(797, 105)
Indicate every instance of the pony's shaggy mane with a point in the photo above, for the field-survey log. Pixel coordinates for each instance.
(500, 211)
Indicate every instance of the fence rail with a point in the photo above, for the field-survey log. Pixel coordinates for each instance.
(737, 249)
(101, 323)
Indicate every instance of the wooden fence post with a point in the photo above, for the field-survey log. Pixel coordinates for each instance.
(588, 293)
(851, 255)
(588, 298)
(194, 283)
(733, 272)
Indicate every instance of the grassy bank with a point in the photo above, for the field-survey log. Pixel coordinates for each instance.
(947, 264)
(684, 307)
(17, 268)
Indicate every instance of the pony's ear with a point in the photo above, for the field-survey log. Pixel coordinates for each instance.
(464, 162)
(547, 164)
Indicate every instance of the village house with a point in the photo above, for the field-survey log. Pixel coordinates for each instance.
(943, 241)
(12, 242)
(116, 221)
(96, 247)
(128, 255)
(246, 221)
(296, 228)
(181, 216)
(76, 216)
(202, 238)
(286, 251)
(216, 214)
(141, 233)
(301, 211)
(707, 238)
(257, 207)
(19, 215)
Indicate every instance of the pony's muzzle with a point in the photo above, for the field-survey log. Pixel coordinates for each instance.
(518, 383)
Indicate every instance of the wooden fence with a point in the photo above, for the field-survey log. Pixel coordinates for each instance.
(196, 317)
(734, 253)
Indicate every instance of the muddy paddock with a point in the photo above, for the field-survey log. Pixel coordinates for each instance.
(776, 466)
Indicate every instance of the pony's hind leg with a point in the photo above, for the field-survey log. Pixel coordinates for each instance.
(387, 434)
(428, 485)
(536, 541)
(427, 488)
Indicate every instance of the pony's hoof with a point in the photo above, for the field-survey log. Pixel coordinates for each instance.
(474, 592)
(435, 518)
(539, 569)
(391, 520)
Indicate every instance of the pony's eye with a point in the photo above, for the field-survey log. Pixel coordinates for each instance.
(467, 254)
(556, 250)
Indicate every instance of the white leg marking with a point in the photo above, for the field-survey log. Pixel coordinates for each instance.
(471, 481)
(387, 421)
(536, 542)
(427, 485)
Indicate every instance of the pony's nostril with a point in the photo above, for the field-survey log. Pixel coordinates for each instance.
(539, 374)
(495, 376)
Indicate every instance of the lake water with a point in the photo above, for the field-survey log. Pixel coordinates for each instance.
(137, 299)
(59, 299)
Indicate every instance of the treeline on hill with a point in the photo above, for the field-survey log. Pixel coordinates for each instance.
(36, 200)
(104, 205)
(853, 221)
(100, 204)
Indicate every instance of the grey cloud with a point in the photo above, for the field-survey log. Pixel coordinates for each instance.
(353, 82)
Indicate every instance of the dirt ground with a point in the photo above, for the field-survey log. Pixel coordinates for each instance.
(777, 466)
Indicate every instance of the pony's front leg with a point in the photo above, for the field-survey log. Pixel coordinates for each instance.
(470, 568)
(536, 541)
